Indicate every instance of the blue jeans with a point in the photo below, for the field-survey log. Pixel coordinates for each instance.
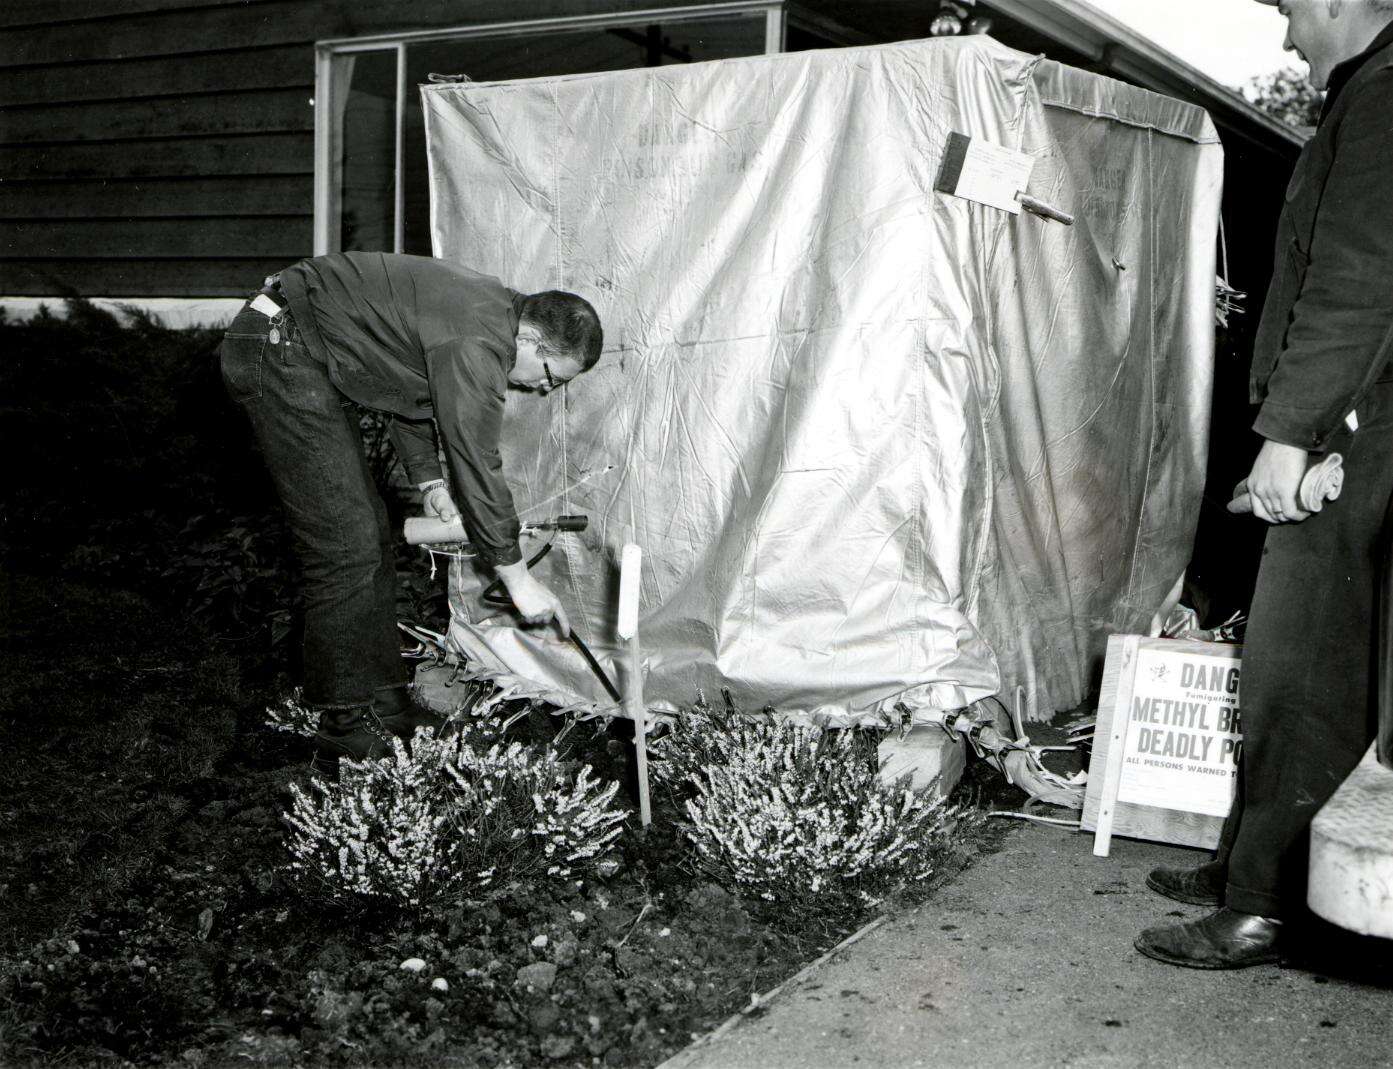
(308, 435)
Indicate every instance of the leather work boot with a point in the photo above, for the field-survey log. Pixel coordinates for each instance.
(1202, 886)
(355, 733)
(1223, 940)
(400, 715)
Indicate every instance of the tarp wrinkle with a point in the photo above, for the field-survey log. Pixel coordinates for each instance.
(878, 445)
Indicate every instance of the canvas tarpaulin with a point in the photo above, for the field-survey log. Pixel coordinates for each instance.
(877, 444)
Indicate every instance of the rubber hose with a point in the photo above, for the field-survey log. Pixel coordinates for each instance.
(495, 594)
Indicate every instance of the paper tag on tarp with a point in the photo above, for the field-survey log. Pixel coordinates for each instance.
(980, 171)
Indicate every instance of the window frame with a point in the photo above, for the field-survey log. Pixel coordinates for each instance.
(326, 195)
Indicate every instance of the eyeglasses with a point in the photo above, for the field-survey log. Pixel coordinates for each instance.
(551, 382)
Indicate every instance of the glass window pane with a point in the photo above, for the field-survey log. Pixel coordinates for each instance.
(802, 39)
(549, 55)
(365, 148)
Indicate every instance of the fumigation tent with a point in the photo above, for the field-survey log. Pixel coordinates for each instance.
(878, 444)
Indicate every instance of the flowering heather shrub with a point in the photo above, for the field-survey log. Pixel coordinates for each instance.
(379, 833)
(444, 819)
(519, 812)
(292, 717)
(793, 813)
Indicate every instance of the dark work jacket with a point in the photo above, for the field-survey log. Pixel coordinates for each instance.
(421, 338)
(1327, 327)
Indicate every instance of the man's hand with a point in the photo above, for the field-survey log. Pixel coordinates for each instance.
(534, 601)
(1275, 483)
(438, 502)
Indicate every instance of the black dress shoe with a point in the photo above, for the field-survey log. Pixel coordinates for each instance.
(1223, 940)
(1201, 886)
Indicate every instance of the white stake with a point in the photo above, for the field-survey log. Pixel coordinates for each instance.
(629, 569)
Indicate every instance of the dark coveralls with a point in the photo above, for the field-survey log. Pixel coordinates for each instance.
(1323, 349)
(414, 337)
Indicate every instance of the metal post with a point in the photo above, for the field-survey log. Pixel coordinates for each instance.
(324, 194)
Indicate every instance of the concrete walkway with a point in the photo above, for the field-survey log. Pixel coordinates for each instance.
(1026, 960)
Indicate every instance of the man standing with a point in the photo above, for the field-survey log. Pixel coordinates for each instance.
(432, 345)
(1321, 373)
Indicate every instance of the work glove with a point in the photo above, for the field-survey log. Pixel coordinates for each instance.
(534, 601)
(1274, 484)
(435, 497)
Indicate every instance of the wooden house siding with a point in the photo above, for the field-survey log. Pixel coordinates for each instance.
(166, 147)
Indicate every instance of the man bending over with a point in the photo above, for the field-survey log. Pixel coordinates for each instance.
(432, 345)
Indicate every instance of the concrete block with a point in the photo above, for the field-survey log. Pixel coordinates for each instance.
(931, 757)
(1351, 877)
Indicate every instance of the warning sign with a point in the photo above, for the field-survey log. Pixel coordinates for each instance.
(1183, 740)
(1166, 743)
